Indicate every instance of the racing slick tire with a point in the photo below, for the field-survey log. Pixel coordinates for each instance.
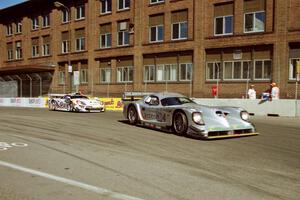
(52, 106)
(180, 123)
(70, 108)
(132, 115)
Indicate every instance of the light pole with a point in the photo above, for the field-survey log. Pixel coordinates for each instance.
(58, 4)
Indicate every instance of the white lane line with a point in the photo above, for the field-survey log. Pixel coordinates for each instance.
(92, 188)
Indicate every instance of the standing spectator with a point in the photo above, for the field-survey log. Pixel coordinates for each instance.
(252, 92)
(266, 95)
(274, 91)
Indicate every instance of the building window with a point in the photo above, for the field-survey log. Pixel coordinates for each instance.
(65, 45)
(236, 70)
(9, 30)
(213, 70)
(80, 44)
(224, 25)
(19, 53)
(293, 68)
(179, 31)
(124, 74)
(46, 20)
(35, 23)
(185, 71)
(262, 69)
(179, 21)
(149, 73)
(35, 50)
(65, 16)
(10, 54)
(105, 40)
(61, 78)
(80, 12)
(254, 22)
(157, 33)
(46, 50)
(19, 27)
(156, 1)
(105, 6)
(123, 34)
(105, 75)
(166, 72)
(84, 76)
(123, 4)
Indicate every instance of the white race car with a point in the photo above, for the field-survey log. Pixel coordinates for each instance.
(75, 102)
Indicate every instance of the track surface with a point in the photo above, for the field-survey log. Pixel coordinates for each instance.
(100, 150)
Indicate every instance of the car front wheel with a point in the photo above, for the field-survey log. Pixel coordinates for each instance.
(180, 123)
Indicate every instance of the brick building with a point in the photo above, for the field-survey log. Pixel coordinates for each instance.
(184, 46)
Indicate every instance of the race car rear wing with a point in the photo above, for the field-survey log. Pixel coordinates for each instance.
(55, 95)
(134, 96)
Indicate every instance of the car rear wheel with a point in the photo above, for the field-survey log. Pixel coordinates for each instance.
(132, 115)
(180, 123)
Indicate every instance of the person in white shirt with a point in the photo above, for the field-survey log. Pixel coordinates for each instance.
(252, 92)
(274, 91)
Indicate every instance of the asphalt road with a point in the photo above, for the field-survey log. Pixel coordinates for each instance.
(47, 155)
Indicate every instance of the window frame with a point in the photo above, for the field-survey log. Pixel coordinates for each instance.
(156, 33)
(223, 24)
(106, 7)
(80, 39)
(10, 54)
(61, 77)
(46, 49)
(156, 1)
(186, 66)
(164, 75)
(291, 78)
(179, 31)
(253, 21)
(263, 68)
(35, 51)
(129, 68)
(19, 51)
(65, 16)
(80, 12)
(34, 23)
(123, 38)
(124, 4)
(19, 27)
(84, 76)
(46, 21)
(144, 74)
(9, 30)
(233, 70)
(106, 46)
(65, 45)
(105, 69)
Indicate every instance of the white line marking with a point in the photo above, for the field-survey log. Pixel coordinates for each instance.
(92, 188)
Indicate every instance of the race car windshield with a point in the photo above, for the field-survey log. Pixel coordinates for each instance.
(172, 101)
(78, 97)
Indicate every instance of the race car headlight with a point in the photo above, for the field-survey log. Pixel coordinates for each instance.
(197, 118)
(245, 115)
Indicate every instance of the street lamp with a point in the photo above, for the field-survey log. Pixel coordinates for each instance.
(58, 4)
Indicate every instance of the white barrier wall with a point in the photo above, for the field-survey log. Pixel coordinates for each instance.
(23, 102)
(281, 107)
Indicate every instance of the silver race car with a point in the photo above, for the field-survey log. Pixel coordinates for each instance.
(172, 111)
(74, 102)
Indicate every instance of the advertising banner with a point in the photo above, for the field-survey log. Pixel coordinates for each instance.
(114, 104)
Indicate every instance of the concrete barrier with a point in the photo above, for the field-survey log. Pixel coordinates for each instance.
(280, 107)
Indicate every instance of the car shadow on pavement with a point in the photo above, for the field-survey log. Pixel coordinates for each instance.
(162, 131)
